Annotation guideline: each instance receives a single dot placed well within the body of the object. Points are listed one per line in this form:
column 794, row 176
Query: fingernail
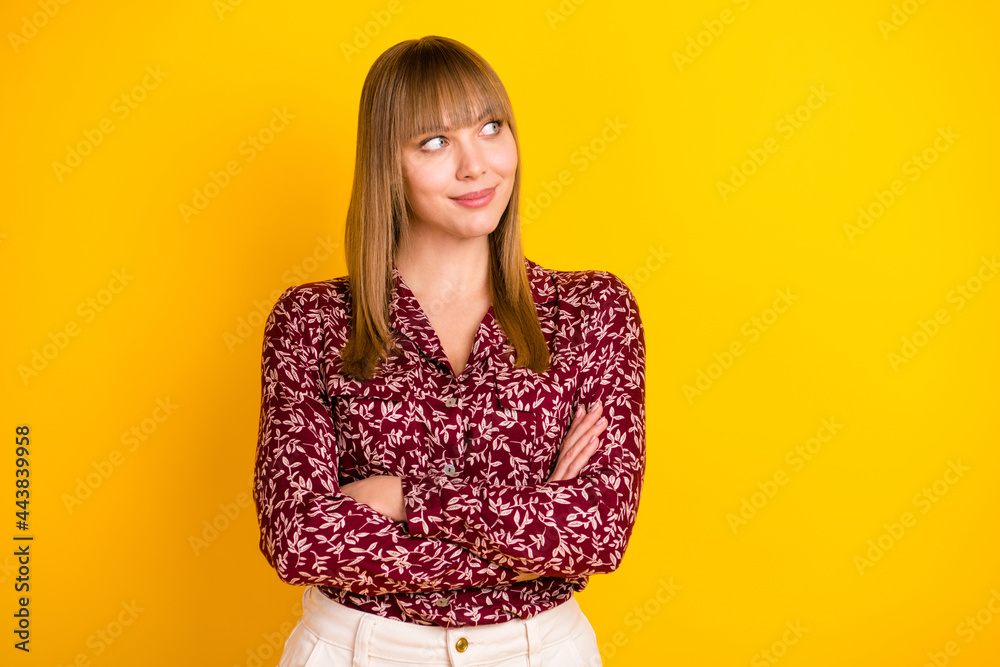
column 579, row 410
column 593, row 406
column 604, row 421
column 593, row 439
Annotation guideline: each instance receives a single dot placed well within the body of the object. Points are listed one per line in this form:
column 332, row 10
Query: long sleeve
column 310, row 532
column 572, row 527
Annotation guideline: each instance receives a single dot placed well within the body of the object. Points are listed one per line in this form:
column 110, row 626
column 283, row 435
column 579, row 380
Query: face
column 445, row 176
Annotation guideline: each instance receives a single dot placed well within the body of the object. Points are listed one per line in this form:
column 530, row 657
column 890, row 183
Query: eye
column 499, row 126
column 429, row 143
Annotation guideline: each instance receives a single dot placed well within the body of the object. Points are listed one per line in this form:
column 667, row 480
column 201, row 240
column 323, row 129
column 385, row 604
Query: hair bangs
column 447, row 90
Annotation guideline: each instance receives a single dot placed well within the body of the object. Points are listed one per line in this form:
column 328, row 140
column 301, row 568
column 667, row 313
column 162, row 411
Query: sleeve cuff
column 422, row 501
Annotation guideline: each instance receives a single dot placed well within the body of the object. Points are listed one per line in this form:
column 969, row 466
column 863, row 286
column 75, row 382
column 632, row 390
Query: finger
column 578, row 417
column 568, row 451
column 581, row 440
column 579, row 436
column 579, row 463
column 593, row 413
column 559, row 473
column 583, row 417
column 563, row 470
column 593, row 446
column 578, row 454
column 584, row 453
column 584, row 425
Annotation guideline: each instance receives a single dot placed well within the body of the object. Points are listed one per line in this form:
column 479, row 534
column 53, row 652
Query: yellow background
column 184, row 326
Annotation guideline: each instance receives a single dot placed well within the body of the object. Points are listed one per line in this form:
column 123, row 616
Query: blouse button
column 441, row 602
column 461, row 644
column 451, row 401
column 449, row 470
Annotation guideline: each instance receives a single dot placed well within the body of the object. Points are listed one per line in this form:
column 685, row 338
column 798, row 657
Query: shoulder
column 587, row 288
column 319, row 295
column 320, row 305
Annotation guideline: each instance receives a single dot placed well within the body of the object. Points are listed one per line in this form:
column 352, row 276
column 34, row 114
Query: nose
column 471, row 160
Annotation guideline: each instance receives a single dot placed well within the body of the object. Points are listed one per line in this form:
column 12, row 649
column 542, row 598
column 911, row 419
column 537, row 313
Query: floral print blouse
column 473, row 452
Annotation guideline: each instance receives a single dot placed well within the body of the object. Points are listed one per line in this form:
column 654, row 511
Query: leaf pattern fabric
column 473, row 452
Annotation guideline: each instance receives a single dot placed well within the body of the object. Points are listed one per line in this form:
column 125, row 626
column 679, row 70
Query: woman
column 426, row 465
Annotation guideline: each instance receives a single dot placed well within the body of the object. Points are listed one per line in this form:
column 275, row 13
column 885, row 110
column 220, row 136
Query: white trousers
column 330, row 634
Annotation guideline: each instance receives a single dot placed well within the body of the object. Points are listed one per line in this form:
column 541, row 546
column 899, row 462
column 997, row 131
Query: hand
column 580, row 443
column 383, row 493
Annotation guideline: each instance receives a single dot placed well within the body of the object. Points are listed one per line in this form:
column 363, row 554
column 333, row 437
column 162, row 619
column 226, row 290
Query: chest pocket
column 374, row 423
column 527, row 422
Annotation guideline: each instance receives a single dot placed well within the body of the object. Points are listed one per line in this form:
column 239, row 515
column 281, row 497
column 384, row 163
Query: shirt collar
column 407, row 317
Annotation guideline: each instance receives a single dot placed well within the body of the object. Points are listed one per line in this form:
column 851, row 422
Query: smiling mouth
column 478, row 199
column 479, row 194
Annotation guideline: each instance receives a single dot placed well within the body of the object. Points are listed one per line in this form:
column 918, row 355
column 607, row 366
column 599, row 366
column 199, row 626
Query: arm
column 566, row 528
column 311, row 533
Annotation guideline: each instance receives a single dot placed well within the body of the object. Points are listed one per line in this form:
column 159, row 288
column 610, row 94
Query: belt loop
column 534, row 643
column 361, row 641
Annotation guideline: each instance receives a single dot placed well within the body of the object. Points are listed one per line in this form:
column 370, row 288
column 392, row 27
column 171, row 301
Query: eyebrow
column 447, row 128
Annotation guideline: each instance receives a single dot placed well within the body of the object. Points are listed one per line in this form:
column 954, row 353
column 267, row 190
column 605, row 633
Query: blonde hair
column 409, row 90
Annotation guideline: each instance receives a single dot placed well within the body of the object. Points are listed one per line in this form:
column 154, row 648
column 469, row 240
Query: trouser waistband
column 389, row 638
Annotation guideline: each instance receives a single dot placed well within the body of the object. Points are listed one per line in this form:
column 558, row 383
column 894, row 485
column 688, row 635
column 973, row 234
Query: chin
column 484, row 229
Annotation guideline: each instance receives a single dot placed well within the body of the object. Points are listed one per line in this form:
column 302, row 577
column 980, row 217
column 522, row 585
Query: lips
column 478, row 194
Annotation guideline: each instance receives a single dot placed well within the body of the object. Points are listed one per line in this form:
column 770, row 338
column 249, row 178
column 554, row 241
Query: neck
column 459, row 269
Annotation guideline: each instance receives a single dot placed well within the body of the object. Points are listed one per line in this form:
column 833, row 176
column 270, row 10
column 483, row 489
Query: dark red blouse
column 473, row 452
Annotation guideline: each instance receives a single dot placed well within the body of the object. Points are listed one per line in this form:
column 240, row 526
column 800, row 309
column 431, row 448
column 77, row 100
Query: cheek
column 420, row 187
column 505, row 161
